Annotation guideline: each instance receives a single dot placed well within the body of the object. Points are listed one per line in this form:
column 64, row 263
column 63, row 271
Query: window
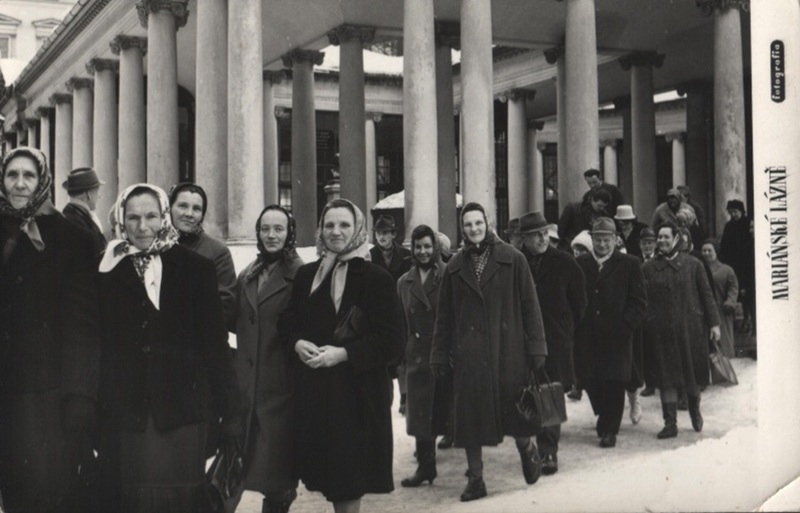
column 44, row 28
column 5, row 47
column 8, row 35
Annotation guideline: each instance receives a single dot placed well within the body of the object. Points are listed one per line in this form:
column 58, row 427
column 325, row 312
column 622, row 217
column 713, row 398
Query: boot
column 636, row 407
column 402, row 409
column 531, row 463
column 694, row 412
column 575, row 393
column 670, row 421
column 446, row 442
column 683, row 403
column 648, row 391
column 281, row 505
column 426, row 465
column 475, row 488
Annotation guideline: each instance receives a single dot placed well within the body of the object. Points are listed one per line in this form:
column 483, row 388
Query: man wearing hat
column 604, row 340
column 83, row 188
column 647, row 244
column 629, row 229
column 513, row 233
column 560, row 287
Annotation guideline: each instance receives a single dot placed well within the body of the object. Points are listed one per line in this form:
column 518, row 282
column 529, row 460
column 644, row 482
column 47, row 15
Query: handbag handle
column 536, row 381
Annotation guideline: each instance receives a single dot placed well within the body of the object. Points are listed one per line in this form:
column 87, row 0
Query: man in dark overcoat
column 604, row 343
column 83, row 188
column 489, row 320
column 560, row 286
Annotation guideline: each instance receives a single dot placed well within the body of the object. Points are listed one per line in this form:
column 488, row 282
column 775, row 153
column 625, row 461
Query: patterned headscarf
column 287, row 252
column 39, row 202
column 121, row 246
column 478, row 253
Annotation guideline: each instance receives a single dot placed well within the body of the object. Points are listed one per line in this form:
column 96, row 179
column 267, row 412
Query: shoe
column 575, row 394
column 474, row 490
column 282, row 506
column 446, row 442
column 426, row 469
column 683, row 404
column 549, row 464
column 402, row 409
column 636, row 407
column 608, row 440
column 694, row 413
column 531, row 463
column 670, row 411
column 647, row 392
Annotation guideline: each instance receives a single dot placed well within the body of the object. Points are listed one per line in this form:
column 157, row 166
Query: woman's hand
column 715, row 333
column 306, row 350
column 328, row 356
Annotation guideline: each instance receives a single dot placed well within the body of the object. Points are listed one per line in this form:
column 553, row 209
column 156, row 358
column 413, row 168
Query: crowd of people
column 118, row 381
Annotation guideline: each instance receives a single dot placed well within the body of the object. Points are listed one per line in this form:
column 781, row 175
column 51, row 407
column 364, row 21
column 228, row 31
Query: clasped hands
column 316, row 357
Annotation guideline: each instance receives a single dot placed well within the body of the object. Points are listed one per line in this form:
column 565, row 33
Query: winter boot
column 694, row 412
column 531, row 462
column 636, row 407
column 426, row 465
column 475, row 488
column 670, row 421
column 279, row 505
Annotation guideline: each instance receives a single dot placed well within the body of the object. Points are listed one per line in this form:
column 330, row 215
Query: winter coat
column 575, row 218
column 343, row 423
column 736, row 250
column 79, row 216
column 491, row 329
column 215, row 250
column 726, row 290
column 561, row 288
column 262, row 367
column 616, row 305
column 429, row 400
column 680, row 311
column 49, row 354
column 401, row 260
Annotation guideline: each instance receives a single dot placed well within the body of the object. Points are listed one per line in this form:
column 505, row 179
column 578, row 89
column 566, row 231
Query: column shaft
column 44, row 135
column 132, row 161
column 371, row 150
column 352, row 152
column 561, row 119
column 517, row 150
column 105, row 139
column 446, row 135
column 678, row 162
column 610, row 171
column 699, row 148
column 643, row 137
column 535, row 172
column 32, row 134
column 82, row 132
column 271, row 148
column 63, row 150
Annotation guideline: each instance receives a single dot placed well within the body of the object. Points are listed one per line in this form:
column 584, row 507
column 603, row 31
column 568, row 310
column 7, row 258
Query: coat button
column 146, row 349
column 144, row 325
column 416, row 334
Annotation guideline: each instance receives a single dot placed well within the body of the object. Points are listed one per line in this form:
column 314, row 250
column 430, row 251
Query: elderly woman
column 737, row 250
column 49, row 345
column 726, row 292
column 263, row 292
column 345, row 326
column 430, row 400
column 165, row 356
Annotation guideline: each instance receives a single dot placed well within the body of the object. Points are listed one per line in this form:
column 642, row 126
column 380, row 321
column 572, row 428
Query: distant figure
column 667, row 212
column 512, row 233
column 577, row 217
column 726, row 293
column 737, row 250
column 629, row 229
column 647, row 244
column 83, row 188
column 698, row 210
column 594, row 181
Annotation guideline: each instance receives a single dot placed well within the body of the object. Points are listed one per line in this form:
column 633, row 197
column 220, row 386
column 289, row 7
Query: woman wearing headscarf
column 49, row 344
column 737, row 250
column 262, row 363
column 165, row 357
column 489, row 325
column 726, row 291
column 344, row 323
column 430, row 400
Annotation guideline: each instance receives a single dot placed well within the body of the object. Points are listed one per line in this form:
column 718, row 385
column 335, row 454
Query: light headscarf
column 39, row 203
column 287, row 252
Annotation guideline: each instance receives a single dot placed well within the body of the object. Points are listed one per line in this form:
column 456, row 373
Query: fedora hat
column 647, row 234
column 385, row 224
column 604, row 225
column 624, row 213
column 82, row 179
column 513, row 226
column 532, row 222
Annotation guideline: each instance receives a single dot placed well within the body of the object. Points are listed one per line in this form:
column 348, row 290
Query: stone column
column 371, row 150
column 535, row 171
column 132, row 155
column 162, row 18
column 610, row 162
column 699, row 146
column 678, row 159
column 82, row 119
column 582, row 118
column 625, row 165
column 517, row 140
column 271, row 147
column 352, row 151
column 556, row 56
column 31, row 127
column 446, row 39
column 729, row 126
column 44, row 133
column 63, row 156
column 105, row 123
column 477, row 105
column 304, row 142
column 643, row 130
column 211, row 127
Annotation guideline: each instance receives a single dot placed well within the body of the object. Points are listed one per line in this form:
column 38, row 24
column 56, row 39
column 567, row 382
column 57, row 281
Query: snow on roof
column 398, row 200
column 373, row 62
column 11, row 68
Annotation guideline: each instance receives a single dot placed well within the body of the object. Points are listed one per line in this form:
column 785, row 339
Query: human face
column 673, row 203
column 142, row 220
column 598, row 205
column 385, row 238
column 515, row 240
column 735, row 213
column 603, row 243
column 665, row 240
column 338, row 228
column 474, row 226
column 273, row 230
column 20, row 180
column 536, row 242
column 187, row 211
column 593, row 181
column 423, row 250
column 648, row 246
column 578, row 250
column 709, row 253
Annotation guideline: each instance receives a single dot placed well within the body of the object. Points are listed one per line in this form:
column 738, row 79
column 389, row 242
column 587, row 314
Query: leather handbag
column 224, row 477
column 542, row 404
column 722, row 372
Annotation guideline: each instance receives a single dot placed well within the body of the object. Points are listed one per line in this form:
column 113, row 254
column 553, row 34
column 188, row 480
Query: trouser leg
column 548, row 438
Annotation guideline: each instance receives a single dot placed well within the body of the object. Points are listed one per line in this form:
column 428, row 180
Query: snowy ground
column 709, row 471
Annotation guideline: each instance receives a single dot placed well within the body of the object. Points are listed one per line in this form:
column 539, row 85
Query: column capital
column 375, row 117
column 273, row 77
column 123, row 42
column 42, row 112
column 95, row 65
column 299, row 55
column 178, row 8
column 707, row 7
column 535, row 125
column 282, row 112
column 347, row 32
column 447, row 33
column 517, row 94
column 59, row 98
column 641, row 59
column 76, row 83
column 675, row 136
column 608, row 142
column 552, row 55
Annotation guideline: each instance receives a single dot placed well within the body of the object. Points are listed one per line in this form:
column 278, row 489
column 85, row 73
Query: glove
column 728, row 309
column 535, row 362
column 78, row 413
column 439, row 370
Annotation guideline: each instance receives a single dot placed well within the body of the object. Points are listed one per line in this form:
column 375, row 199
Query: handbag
column 351, row 326
column 542, row 404
column 722, row 372
column 224, row 477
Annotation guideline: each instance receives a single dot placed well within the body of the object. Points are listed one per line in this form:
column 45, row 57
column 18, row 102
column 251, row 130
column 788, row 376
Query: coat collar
column 422, row 291
column 676, row 263
column 501, row 254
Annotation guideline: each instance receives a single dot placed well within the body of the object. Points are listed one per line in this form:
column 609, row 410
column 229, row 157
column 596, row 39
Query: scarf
column 436, row 255
column 39, row 203
column 287, row 252
column 330, row 261
column 601, row 260
column 677, row 244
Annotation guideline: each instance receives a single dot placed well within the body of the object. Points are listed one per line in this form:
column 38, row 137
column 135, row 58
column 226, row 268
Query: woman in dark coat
column 263, row 292
column 165, row 356
column 726, row 291
column 345, row 326
column 430, row 400
column 49, row 344
column 681, row 317
column 737, row 250
column 490, row 326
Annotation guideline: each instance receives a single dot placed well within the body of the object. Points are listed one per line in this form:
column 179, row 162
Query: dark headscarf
column 488, row 239
column 420, row 232
column 287, row 252
column 676, row 246
column 173, row 196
